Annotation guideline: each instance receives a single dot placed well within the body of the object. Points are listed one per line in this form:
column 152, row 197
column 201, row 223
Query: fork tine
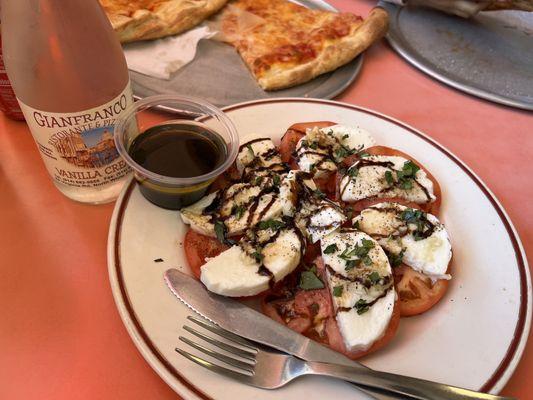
column 224, row 346
column 213, row 367
column 228, row 360
column 223, row 332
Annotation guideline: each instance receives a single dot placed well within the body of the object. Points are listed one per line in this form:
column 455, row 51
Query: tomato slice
column 432, row 208
column 311, row 313
column 288, row 144
column 299, row 309
column 198, row 247
column 416, row 291
column 312, row 251
column 293, row 135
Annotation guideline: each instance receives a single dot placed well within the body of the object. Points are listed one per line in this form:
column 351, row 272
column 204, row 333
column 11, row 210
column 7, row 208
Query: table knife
column 253, row 325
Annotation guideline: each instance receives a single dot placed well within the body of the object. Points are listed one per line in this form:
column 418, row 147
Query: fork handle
column 403, row 385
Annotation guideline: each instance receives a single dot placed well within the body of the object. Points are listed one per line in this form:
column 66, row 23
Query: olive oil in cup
column 177, row 146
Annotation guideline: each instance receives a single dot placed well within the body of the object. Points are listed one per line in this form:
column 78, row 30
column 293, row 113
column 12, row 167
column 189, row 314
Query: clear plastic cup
column 168, row 191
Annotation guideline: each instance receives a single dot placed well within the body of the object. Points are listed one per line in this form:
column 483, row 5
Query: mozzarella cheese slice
column 256, row 152
column 236, row 204
column 283, row 255
column 323, row 219
column 371, row 181
column 262, row 171
column 360, row 331
column 315, row 217
column 428, row 253
column 193, row 216
column 361, row 283
column 233, row 273
column 236, row 272
column 291, row 189
column 320, row 150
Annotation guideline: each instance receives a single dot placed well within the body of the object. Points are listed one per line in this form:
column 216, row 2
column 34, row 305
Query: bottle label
column 78, row 148
column 8, row 101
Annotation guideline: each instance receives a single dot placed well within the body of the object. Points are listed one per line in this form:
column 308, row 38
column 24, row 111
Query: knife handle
column 403, row 385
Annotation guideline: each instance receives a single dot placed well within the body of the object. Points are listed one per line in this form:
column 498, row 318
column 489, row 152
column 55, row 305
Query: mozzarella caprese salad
column 337, row 236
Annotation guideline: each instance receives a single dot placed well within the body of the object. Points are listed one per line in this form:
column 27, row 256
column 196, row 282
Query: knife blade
column 253, row 325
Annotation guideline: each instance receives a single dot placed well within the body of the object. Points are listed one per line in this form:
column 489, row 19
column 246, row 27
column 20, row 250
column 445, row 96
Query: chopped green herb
column 237, row 211
column 345, row 136
column 276, row 179
column 309, row 281
column 312, row 268
column 258, row 256
column 406, row 185
column 389, row 178
column 249, row 147
column 356, row 225
column 305, row 144
column 363, row 155
column 319, row 194
column 359, row 251
column 343, row 152
column 374, row 277
column 258, row 180
column 367, row 244
column 410, row 168
column 361, row 306
column 351, row 264
column 411, row 215
column 271, row 224
column 221, row 231
column 367, row 260
column 353, row 172
column 337, row 291
column 314, row 145
column 345, row 255
column 407, row 175
column 332, row 248
column 396, row 259
column 312, row 167
column 419, row 219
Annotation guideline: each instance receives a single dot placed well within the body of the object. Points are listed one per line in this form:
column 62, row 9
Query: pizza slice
column 285, row 44
column 150, row 19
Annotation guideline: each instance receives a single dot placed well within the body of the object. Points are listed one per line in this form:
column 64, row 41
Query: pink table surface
column 61, row 336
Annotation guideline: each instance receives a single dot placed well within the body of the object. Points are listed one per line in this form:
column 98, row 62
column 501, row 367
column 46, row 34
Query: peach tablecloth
column 60, row 335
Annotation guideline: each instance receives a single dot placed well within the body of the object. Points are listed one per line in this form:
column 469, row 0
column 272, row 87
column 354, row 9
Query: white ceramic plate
column 473, row 338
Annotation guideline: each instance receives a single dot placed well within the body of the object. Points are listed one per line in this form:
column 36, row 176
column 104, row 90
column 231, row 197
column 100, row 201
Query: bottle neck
column 64, row 57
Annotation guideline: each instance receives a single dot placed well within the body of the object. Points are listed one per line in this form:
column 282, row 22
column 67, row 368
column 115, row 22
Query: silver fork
column 257, row 365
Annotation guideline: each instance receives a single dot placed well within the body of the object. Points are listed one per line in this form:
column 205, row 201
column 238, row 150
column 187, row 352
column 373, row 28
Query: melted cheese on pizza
column 290, row 34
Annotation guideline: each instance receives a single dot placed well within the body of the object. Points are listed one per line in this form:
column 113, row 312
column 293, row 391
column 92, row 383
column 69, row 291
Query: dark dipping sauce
column 180, row 149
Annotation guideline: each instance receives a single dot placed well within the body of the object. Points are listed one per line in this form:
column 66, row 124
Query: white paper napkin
column 161, row 57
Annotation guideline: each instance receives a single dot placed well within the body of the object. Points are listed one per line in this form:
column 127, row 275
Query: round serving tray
column 217, row 74
column 489, row 55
